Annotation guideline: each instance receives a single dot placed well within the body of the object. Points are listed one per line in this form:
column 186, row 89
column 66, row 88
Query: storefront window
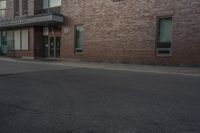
column 24, row 41
column 17, row 40
column 21, row 39
column 10, row 40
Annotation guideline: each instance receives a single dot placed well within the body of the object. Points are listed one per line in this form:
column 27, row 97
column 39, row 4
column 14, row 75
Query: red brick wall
column 125, row 31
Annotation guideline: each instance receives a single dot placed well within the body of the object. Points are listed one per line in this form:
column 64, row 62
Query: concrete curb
column 186, row 71
column 6, row 59
column 139, row 68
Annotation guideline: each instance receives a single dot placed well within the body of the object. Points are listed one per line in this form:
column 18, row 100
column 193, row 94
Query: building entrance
column 51, row 46
column 3, row 43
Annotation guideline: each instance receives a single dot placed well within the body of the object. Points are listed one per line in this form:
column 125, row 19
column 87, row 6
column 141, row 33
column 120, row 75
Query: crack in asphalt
column 52, row 112
column 102, row 114
column 33, row 110
column 5, row 75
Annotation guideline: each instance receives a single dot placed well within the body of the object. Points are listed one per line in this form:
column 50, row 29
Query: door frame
column 49, row 49
column 49, row 46
column 3, row 41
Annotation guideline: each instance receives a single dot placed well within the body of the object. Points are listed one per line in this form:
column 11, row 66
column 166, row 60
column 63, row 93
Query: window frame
column 157, row 49
column 21, row 40
column 75, row 40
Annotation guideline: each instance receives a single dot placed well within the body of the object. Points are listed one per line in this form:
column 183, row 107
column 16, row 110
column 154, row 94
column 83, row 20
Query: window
column 45, row 31
column 164, row 36
column 24, row 39
column 3, row 4
column 55, row 3
column 17, row 40
column 25, row 6
column 21, row 39
column 16, row 7
column 10, row 40
column 79, row 38
column 2, row 8
column 45, row 4
column 51, row 3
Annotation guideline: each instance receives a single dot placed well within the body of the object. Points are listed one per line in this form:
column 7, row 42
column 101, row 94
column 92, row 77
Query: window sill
column 79, row 53
column 164, row 55
column 163, row 52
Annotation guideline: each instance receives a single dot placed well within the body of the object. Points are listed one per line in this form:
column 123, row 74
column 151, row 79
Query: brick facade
column 125, row 31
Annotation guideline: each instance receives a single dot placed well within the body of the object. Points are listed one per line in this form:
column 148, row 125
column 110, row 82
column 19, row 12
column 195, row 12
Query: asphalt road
column 39, row 98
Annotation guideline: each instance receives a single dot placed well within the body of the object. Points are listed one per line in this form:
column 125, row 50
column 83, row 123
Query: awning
column 42, row 20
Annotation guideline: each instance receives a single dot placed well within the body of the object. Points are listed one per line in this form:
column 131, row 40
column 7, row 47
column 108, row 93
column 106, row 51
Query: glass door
column 57, row 46
column 0, row 45
column 3, row 43
column 45, row 46
column 52, row 46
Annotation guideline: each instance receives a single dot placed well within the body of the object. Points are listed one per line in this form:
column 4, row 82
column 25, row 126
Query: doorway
column 3, row 43
column 51, row 46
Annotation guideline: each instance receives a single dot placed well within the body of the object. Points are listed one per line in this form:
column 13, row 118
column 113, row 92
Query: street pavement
column 53, row 98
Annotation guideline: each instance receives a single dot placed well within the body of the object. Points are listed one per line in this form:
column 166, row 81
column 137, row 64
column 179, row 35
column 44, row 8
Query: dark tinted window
column 16, row 7
column 164, row 32
column 25, row 6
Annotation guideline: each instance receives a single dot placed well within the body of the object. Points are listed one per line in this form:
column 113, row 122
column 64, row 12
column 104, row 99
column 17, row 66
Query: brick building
column 135, row 31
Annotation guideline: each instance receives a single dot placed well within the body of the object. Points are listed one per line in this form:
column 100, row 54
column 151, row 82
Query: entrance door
column 51, row 46
column 3, row 44
column 0, row 44
column 45, row 46
column 57, row 46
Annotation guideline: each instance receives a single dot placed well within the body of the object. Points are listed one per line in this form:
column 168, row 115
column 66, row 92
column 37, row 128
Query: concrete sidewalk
column 190, row 71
